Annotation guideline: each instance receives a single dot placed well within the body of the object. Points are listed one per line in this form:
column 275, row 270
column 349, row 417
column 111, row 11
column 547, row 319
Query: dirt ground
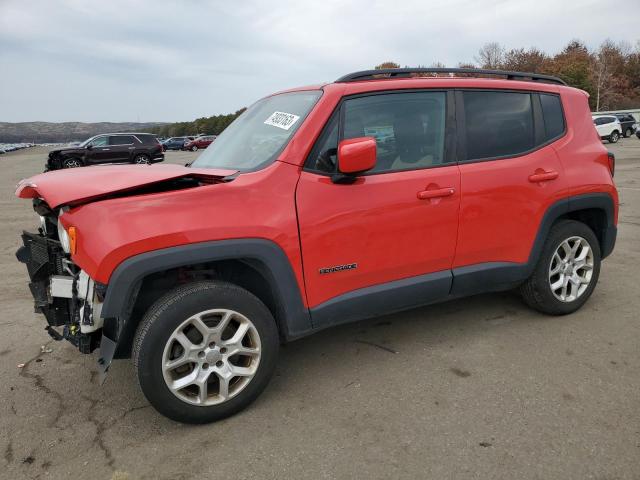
column 475, row 388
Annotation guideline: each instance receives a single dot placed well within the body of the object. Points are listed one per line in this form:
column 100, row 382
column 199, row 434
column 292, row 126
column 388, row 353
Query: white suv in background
column 608, row 127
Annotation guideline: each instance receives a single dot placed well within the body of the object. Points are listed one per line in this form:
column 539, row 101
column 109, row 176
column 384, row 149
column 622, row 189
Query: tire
column 537, row 291
column 614, row 137
column 72, row 163
column 142, row 159
column 156, row 340
column 194, row 148
column 628, row 132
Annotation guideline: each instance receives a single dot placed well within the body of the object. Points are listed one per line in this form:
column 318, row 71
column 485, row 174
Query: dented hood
column 76, row 186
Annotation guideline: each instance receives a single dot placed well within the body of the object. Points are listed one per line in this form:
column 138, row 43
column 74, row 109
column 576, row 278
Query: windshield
column 257, row 136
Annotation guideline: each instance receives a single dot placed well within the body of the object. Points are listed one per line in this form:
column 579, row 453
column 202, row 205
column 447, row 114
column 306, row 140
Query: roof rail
column 408, row 72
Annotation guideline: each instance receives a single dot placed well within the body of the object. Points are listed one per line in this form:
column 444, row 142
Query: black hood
column 65, row 151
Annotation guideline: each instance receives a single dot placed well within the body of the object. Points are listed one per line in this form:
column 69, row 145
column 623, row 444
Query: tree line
column 610, row 73
column 213, row 125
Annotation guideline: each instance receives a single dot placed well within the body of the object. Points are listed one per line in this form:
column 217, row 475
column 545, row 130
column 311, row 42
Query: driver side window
column 409, row 130
column 99, row 142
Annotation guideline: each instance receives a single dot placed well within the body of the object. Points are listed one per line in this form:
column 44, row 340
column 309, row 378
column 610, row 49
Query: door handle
column 437, row 193
column 106, row 149
column 542, row 176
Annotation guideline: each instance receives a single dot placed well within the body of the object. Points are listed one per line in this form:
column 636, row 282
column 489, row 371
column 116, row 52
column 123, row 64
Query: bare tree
column 490, row 56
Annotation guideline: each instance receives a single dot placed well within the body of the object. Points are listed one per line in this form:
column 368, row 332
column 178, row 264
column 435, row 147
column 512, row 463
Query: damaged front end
column 62, row 292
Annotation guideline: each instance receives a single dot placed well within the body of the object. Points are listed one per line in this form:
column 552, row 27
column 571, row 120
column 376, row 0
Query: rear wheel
column 72, row 163
column 205, row 351
column 194, row 148
column 142, row 159
column 614, row 137
column 628, row 132
column 567, row 271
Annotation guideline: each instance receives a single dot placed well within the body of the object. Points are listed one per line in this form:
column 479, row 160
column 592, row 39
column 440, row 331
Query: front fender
column 270, row 259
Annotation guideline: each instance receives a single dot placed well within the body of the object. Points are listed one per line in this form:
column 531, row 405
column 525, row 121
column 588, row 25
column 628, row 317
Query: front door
column 100, row 150
column 394, row 229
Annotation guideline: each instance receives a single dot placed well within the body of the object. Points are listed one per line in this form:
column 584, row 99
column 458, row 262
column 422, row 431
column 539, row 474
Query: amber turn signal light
column 73, row 236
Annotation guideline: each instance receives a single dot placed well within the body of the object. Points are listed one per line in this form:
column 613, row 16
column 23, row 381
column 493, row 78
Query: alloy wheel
column 73, row 163
column 571, row 269
column 211, row 357
column 141, row 160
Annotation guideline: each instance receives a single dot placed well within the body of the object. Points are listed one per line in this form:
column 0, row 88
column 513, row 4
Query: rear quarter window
column 552, row 115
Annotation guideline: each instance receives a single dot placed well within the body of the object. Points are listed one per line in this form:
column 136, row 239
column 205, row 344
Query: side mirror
column 355, row 156
column 89, row 147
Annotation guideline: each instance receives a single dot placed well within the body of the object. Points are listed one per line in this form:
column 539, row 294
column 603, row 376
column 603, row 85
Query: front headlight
column 63, row 236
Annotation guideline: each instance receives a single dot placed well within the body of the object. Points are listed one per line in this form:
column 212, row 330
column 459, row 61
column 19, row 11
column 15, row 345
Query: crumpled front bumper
column 62, row 292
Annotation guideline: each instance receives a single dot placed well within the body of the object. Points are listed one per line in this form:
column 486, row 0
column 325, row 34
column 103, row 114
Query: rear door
column 396, row 222
column 510, row 174
column 122, row 147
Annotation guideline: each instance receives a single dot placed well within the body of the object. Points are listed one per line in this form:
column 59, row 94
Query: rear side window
column 552, row 114
column 121, row 140
column 498, row 124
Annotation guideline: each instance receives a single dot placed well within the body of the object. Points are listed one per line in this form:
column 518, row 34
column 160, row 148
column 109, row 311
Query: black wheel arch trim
column 497, row 276
column 294, row 318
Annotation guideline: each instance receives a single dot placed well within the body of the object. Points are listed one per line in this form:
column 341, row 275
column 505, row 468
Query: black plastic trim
column 264, row 254
column 407, row 72
column 382, row 299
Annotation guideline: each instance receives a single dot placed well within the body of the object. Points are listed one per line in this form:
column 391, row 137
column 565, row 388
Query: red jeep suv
column 382, row 191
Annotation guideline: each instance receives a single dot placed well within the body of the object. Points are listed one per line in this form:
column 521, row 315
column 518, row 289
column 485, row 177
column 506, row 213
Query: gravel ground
column 478, row 388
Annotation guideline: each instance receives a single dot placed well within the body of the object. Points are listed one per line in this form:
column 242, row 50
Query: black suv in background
column 109, row 148
column 628, row 123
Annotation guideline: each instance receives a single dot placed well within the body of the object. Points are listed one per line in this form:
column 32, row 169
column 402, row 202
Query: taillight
column 612, row 163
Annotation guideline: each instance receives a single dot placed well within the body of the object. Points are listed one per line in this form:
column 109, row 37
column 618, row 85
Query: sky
column 160, row 60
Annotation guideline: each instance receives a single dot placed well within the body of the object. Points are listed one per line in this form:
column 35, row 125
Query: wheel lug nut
column 212, row 345
column 201, row 354
column 205, row 366
column 223, row 350
column 219, row 363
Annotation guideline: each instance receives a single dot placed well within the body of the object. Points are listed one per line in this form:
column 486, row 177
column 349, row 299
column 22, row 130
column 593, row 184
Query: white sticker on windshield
column 282, row 120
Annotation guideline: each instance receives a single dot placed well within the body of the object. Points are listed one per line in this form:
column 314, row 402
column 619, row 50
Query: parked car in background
column 294, row 220
column 628, row 123
column 608, row 127
column 108, row 148
column 175, row 143
column 199, row 143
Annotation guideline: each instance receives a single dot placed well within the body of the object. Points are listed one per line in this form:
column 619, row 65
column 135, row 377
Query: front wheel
column 628, row 132
column 205, row 351
column 71, row 163
column 142, row 159
column 614, row 137
column 194, row 148
column 567, row 271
